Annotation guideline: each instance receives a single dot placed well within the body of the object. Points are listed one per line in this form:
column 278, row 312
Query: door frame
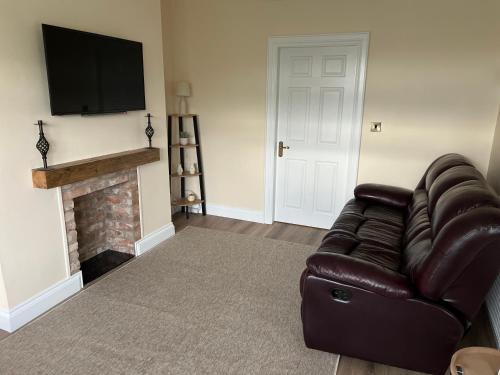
column 274, row 45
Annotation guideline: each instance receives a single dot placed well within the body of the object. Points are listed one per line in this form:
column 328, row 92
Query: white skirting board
column 154, row 238
column 493, row 303
column 232, row 213
column 235, row 213
column 15, row 318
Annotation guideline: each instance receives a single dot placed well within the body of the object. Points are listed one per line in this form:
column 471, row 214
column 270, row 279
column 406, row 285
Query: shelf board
column 79, row 170
column 185, row 174
column 185, row 202
column 187, row 115
column 177, row 145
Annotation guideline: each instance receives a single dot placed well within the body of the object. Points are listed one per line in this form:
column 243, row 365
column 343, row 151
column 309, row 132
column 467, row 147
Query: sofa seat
column 367, row 231
column 375, row 211
column 401, row 274
column 364, row 243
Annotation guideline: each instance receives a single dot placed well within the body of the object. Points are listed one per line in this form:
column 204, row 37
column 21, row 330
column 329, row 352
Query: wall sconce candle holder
column 42, row 145
column 149, row 130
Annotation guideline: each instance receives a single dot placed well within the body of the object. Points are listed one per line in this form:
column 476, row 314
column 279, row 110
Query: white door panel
column 316, row 104
column 330, row 114
column 294, row 193
column 325, row 176
column 298, row 113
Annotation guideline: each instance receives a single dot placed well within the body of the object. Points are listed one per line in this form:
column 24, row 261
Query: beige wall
column 494, row 167
column 433, row 80
column 31, row 248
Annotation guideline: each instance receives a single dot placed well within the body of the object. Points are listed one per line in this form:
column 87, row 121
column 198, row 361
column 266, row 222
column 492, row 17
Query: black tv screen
column 90, row 73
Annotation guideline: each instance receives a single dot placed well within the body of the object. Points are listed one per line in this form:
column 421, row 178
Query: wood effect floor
column 479, row 335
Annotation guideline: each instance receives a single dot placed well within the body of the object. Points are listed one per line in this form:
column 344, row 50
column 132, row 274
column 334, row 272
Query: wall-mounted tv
column 91, row 73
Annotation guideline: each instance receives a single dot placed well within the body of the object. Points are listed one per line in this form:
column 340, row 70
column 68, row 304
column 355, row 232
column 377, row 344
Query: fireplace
column 102, row 222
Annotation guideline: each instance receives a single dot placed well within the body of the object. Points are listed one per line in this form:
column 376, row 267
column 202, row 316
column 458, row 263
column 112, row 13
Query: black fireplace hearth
column 101, row 263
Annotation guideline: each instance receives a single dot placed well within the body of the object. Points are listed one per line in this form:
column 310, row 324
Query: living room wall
column 432, row 80
column 32, row 250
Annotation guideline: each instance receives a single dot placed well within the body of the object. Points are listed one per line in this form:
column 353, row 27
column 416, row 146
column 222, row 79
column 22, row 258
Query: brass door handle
column 280, row 148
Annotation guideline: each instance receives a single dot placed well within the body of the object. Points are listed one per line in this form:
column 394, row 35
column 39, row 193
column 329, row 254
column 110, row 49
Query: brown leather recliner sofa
column 401, row 274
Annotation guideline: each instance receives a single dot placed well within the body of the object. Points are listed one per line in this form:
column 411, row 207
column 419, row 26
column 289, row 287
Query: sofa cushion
column 369, row 232
column 463, row 197
column 441, row 165
column 417, row 219
column 345, row 243
column 449, row 179
column 464, row 261
column 378, row 212
column 417, row 237
column 361, row 273
column 415, row 253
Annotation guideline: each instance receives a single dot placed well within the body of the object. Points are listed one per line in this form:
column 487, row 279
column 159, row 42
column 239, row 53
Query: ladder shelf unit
column 174, row 176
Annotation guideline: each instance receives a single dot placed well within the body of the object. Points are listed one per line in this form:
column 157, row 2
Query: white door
column 316, row 107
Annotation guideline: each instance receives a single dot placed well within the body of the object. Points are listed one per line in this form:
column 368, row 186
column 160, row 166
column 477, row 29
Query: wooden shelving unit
column 182, row 146
column 182, row 201
column 187, row 115
column 185, row 174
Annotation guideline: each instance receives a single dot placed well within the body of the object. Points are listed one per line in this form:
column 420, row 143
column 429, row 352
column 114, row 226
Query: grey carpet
column 203, row 302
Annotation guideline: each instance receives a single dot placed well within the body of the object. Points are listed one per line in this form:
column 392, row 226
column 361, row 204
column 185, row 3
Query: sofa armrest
column 360, row 273
column 384, row 194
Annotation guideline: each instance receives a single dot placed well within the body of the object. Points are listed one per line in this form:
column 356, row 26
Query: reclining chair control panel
column 341, row 295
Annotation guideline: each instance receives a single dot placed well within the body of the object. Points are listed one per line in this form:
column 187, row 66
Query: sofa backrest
column 452, row 241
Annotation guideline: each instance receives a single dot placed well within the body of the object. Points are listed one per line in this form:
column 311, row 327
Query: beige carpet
column 203, row 302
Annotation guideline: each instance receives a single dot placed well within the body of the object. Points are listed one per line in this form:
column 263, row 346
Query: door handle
column 280, row 148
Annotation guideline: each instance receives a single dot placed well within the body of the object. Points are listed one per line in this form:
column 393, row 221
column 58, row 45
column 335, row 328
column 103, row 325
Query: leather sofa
column 402, row 273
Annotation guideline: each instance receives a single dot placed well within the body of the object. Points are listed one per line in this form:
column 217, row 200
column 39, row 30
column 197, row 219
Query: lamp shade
column 182, row 88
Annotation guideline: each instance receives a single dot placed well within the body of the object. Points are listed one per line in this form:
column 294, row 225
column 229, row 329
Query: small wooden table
column 475, row 361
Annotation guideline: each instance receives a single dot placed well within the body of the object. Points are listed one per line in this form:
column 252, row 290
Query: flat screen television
column 91, row 73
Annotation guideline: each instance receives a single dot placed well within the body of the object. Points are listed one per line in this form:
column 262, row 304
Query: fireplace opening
column 102, row 223
column 102, row 263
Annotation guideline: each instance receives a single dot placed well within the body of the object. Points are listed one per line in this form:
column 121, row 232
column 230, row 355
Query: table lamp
column 182, row 91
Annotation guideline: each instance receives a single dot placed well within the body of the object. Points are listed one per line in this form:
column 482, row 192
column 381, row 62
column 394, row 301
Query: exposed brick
column 113, row 199
column 73, row 257
column 68, row 205
column 73, row 248
column 74, row 267
column 71, row 225
column 69, row 216
column 101, row 213
column 72, row 236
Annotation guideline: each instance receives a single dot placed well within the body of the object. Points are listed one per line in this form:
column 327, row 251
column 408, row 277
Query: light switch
column 376, row 127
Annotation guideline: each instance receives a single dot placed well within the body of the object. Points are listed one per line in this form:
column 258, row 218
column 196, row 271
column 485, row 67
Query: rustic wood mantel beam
column 79, row 170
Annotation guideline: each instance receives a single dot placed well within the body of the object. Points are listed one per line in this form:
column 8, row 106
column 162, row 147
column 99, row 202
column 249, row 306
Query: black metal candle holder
column 42, row 145
column 149, row 130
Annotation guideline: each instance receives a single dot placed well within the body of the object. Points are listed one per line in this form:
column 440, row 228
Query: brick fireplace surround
column 101, row 213
column 99, row 207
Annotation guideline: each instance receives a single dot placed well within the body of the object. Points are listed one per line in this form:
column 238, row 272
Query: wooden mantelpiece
column 68, row 173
